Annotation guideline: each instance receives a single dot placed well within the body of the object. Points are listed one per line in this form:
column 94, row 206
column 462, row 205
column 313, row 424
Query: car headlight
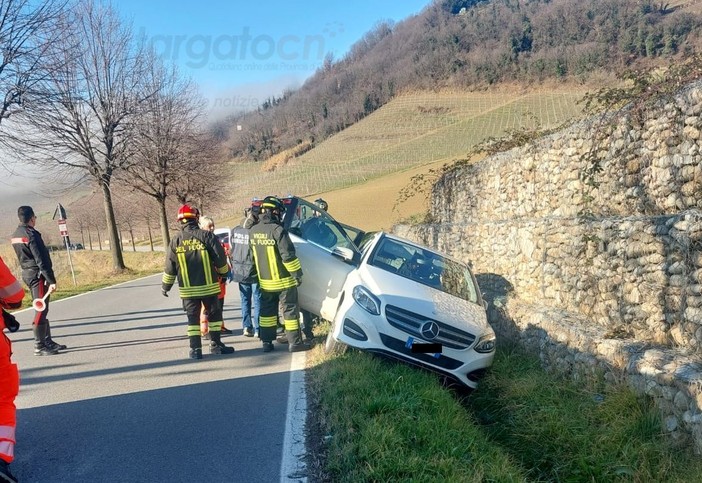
column 366, row 300
column 485, row 344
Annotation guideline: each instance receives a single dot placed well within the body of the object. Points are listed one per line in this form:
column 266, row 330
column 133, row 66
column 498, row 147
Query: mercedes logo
column 430, row 330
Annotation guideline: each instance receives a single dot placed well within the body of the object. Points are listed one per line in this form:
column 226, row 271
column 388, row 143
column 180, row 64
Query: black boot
column 295, row 342
column 5, row 473
column 40, row 347
column 195, row 347
column 49, row 342
column 216, row 345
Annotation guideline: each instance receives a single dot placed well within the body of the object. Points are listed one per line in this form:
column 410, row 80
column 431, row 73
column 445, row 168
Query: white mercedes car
column 389, row 295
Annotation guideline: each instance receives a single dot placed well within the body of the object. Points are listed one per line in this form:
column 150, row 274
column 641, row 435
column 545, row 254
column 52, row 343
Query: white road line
column 292, row 467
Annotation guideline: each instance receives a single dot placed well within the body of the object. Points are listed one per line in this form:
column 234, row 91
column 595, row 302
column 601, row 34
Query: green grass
column 378, row 420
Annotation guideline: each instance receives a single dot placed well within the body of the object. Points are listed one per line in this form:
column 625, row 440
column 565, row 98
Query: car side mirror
column 346, row 254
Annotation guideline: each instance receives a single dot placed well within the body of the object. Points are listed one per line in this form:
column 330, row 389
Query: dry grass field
column 361, row 170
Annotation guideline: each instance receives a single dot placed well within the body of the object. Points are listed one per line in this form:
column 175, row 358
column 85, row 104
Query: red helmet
column 187, row 212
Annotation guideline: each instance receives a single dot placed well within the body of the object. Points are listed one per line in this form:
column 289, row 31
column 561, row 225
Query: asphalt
column 124, row 403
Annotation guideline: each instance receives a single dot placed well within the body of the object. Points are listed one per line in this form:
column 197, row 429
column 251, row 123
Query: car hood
column 421, row 299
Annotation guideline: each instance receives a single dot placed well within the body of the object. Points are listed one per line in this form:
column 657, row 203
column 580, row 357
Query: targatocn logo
column 245, row 50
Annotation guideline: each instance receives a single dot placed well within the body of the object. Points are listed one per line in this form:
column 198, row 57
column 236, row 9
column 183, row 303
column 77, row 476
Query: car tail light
column 366, row 300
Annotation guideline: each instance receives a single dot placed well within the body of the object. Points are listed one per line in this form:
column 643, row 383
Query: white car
column 389, row 295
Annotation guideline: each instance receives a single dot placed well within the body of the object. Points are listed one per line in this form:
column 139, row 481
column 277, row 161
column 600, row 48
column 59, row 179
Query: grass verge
column 92, row 269
column 378, row 420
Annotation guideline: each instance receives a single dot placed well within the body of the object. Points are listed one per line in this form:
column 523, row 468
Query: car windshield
column 223, row 237
column 316, row 226
column 425, row 267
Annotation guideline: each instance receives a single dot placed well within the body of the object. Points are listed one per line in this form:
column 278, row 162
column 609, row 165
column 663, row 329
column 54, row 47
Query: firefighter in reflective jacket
column 196, row 258
column 279, row 274
column 11, row 295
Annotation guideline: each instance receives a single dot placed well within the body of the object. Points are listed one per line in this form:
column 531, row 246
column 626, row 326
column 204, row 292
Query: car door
column 317, row 238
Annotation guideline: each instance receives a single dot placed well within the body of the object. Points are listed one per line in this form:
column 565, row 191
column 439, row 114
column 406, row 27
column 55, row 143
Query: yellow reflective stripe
column 272, row 263
column 199, row 291
column 168, row 279
column 216, row 326
column 183, row 264
column 223, row 269
column 268, row 321
column 293, row 265
column 206, row 266
column 293, row 324
column 277, row 285
column 193, row 330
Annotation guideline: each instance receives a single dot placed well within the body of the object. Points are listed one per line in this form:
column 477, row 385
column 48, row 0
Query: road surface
column 125, row 403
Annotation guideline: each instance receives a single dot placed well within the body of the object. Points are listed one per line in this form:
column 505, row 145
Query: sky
column 242, row 52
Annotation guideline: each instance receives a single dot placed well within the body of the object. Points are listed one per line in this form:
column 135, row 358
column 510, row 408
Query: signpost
column 63, row 230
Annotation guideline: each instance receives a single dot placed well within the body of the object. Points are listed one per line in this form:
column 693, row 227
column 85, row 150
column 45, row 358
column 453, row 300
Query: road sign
column 63, row 229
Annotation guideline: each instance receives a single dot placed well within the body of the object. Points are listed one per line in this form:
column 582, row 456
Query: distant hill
column 469, row 45
column 410, row 131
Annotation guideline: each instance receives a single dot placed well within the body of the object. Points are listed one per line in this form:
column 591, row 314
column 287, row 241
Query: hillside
column 470, row 45
column 410, row 134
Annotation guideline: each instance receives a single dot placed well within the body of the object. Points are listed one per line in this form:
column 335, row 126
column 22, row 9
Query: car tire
column 333, row 346
column 306, row 323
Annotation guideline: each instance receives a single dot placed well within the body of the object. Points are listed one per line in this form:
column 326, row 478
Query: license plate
column 424, row 347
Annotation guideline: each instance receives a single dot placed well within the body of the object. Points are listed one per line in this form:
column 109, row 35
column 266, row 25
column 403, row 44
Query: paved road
column 125, row 404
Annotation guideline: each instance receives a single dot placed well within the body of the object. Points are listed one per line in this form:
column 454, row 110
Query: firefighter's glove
column 164, row 292
column 299, row 281
column 10, row 321
column 230, row 277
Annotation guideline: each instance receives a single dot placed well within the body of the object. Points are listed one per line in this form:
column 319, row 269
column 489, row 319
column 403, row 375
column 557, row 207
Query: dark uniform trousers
column 213, row 308
column 38, row 287
column 268, row 316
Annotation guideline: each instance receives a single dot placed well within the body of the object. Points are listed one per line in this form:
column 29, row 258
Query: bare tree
column 26, row 29
column 166, row 131
column 200, row 177
column 94, row 93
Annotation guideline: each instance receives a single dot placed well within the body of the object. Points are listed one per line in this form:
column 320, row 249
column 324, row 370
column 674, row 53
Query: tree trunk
column 164, row 224
column 99, row 239
column 115, row 246
column 151, row 238
column 90, row 241
column 131, row 234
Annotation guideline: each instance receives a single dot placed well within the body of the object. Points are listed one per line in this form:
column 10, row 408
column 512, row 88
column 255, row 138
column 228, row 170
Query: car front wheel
column 333, row 346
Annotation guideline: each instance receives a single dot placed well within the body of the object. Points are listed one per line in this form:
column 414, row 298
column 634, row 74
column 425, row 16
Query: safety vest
column 274, row 253
column 196, row 258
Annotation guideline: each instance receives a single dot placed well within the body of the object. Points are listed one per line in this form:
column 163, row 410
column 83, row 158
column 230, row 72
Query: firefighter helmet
column 187, row 212
column 323, row 205
column 273, row 204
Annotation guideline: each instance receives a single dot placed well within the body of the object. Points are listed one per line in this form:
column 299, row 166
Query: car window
column 316, row 226
column 425, row 267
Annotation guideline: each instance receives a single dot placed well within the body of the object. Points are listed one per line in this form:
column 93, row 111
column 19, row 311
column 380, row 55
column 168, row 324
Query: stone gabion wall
column 630, row 272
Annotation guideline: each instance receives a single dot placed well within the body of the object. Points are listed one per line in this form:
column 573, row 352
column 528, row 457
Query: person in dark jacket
column 196, row 258
column 38, row 275
column 244, row 272
column 279, row 274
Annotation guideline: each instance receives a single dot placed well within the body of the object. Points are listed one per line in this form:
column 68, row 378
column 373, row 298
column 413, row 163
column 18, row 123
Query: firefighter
column 279, row 274
column 11, row 295
column 196, row 258
column 38, row 275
